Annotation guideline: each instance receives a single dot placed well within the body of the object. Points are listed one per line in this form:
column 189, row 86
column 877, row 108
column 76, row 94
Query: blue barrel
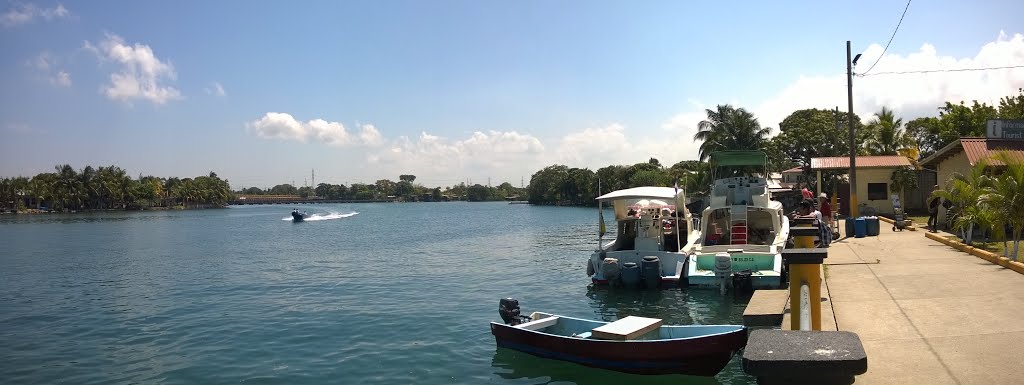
column 849, row 227
column 651, row 270
column 630, row 274
column 874, row 228
column 860, row 227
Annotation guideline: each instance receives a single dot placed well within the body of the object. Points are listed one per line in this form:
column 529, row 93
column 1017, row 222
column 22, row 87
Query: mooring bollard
column 804, row 269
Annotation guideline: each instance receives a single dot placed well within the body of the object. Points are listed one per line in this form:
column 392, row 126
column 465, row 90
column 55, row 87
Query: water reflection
column 514, row 365
column 90, row 217
column 676, row 306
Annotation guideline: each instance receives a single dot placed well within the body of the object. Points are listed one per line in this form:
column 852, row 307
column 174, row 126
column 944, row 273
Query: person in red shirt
column 807, row 193
column 825, row 208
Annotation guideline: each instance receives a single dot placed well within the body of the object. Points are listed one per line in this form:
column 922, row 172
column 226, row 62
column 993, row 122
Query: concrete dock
column 926, row 313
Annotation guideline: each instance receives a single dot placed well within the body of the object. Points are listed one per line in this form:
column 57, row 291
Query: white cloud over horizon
column 26, row 13
column 142, row 75
column 909, row 95
column 508, row 155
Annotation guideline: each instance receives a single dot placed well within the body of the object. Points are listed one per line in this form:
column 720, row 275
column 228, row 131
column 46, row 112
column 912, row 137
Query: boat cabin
column 649, row 218
column 740, row 211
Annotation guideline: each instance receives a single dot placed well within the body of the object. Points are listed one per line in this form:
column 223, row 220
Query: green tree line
column 110, row 187
column 406, row 189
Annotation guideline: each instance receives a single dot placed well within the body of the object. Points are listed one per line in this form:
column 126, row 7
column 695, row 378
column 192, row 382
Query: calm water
column 396, row 294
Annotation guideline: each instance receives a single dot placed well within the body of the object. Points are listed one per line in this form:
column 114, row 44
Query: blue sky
column 453, row 91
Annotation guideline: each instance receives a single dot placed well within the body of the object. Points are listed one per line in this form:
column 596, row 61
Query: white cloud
column 370, row 136
column 909, row 95
column 495, row 153
column 26, row 13
column 280, row 125
column 41, row 62
column 142, row 74
column 215, row 89
column 46, row 64
column 62, row 79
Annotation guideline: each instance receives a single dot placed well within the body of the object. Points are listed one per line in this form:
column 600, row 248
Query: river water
column 393, row 293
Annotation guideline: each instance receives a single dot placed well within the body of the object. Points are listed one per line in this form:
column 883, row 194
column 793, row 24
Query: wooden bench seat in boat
column 538, row 324
column 626, row 329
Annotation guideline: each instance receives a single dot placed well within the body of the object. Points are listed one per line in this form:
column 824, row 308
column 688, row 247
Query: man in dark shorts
column 933, row 210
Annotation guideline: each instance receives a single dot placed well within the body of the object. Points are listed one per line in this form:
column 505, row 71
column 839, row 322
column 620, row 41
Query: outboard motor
column 723, row 269
column 610, row 271
column 742, row 283
column 508, row 308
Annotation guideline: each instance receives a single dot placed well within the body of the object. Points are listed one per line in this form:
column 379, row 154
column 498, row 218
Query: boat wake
column 324, row 217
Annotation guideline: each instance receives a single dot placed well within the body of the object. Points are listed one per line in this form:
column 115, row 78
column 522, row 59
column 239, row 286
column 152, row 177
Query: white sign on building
column 1004, row 129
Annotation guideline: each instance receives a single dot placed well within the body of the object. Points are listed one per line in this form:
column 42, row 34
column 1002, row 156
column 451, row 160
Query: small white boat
column 650, row 225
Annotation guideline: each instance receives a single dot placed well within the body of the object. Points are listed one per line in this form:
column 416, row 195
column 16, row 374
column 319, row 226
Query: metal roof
column 843, row 162
column 794, row 169
column 640, row 193
column 978, row 149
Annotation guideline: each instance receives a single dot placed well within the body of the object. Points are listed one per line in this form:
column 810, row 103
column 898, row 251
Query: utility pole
column 853, row 142
column 313, row 183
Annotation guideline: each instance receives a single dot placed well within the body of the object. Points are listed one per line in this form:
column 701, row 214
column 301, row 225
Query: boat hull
column 670, row 265
column 298, row 217
column 700, row 356
column 765, row 270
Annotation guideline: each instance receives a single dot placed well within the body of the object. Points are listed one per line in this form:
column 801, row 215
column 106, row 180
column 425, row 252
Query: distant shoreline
column 154, row 208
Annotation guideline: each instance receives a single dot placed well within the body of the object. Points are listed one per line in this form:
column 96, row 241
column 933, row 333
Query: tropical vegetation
column 989, row 198
column 110, row 187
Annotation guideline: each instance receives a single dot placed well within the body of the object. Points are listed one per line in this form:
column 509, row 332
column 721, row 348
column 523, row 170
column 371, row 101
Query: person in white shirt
column 808, row 211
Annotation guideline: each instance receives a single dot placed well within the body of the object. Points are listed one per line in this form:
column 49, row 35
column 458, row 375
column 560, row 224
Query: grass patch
column 995, row 247
column 921, row 221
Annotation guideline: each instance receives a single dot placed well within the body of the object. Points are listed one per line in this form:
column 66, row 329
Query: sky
column 267, row 92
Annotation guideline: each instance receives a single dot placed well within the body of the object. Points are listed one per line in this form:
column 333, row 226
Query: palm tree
column 1005, row 198
column 729, row 128
column 964, row 191
column 884, row 134
column 68, row 188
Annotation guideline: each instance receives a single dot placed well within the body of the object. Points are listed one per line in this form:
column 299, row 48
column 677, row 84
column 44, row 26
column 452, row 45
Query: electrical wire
column 942, row 70
column 890, row 39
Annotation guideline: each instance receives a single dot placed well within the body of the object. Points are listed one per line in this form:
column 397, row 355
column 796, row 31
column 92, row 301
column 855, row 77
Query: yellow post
column 805, row 267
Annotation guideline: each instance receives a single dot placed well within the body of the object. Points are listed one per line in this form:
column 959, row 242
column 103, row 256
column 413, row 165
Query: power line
column 941, row 70
column 890, row 38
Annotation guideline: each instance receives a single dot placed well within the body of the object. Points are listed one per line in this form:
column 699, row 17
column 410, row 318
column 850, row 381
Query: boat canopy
column 739, row 158
column 640, row 193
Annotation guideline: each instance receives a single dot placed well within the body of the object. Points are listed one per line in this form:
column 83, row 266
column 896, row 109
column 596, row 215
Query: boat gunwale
column 738, row 328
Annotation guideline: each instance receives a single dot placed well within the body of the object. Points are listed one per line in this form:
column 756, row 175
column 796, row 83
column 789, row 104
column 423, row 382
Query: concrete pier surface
column 925, row 312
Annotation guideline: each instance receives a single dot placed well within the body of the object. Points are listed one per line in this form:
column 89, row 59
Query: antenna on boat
column 600, row 218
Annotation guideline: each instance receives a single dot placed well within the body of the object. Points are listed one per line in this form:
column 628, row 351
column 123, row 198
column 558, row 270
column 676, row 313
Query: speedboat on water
column 631, row 344
column 742, row 231
column 651, row 223
column 299, row 216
